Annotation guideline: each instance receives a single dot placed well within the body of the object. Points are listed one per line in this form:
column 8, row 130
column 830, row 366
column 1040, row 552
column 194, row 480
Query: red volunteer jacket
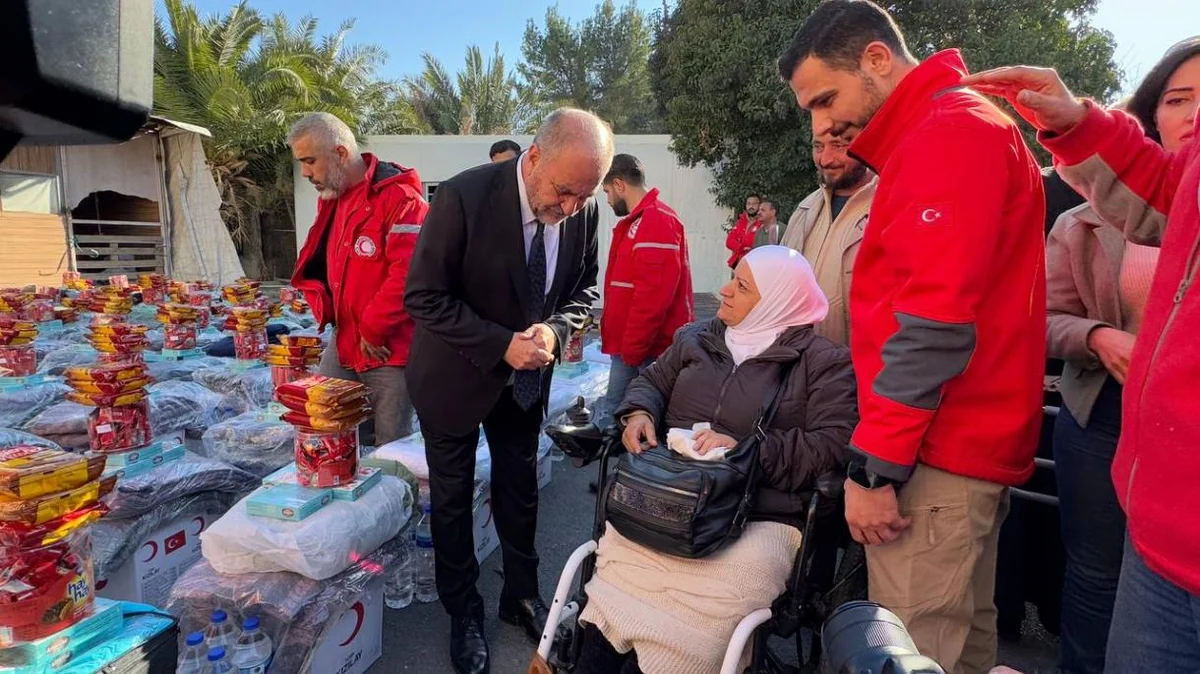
column 740, row 239
column 1155, row 198
column 948, row 304
column 356, row 282
column 648, row 283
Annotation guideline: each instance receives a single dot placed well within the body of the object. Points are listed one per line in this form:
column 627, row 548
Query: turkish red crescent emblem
column 153, row 550
column 364, row 246
column 359, row 615
column 200, row 521
column 174, row 542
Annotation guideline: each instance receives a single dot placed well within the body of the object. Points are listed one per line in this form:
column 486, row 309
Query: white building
column 438, row 158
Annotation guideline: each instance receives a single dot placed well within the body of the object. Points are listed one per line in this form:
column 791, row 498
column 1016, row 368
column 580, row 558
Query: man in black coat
column 504, row 269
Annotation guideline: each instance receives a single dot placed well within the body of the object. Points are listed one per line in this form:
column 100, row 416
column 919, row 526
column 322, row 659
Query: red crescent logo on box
column 200, row 521
column 359, row 614
column 364, row 246
column 153, row 550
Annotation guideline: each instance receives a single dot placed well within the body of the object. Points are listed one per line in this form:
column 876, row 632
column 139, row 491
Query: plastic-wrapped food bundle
column 254, row 386
column 61, row 419
column 20, row 406
column 256, row 442
column 410, row 452
column 182, row 370
column 319, row 547
column 190, row 475
column 178, row 405
column 11, row 437
column 115, row 540
column 293, row 610
column 56, row 362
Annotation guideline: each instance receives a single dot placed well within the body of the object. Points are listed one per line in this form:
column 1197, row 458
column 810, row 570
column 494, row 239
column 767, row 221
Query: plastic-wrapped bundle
column 190, row 475
column 56, row 362
column 60, row 419
column 156, row 337
column 10, row 437
column 256, row 442
column 319, row 547
column 293, row 610
column 178, row 405
column 410, row 452
column 115, row 540
column 182, row 370
column 18, row 407
column 591, row 384
column 253, row 386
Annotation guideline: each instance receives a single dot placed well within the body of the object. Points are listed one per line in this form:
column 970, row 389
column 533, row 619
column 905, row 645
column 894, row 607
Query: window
column 28, row 193
column 430, row 188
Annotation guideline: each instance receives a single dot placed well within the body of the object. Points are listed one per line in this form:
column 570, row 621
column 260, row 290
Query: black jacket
column 695, row 381
column 467, row 291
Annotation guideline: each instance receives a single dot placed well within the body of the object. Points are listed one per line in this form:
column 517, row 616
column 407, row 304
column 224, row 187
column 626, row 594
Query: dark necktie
column 527, row 387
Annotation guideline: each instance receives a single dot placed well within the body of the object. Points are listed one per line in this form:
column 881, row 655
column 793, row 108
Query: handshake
column 532, row 349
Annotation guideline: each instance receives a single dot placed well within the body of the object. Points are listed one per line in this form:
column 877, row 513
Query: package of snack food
column 250, row 345
column 322, row 390
column 326, row 459
column 44, row 589
column 18, row 361
column 108, row 399
column 27, row 471
column 109, row 388
column 285, row 374
column 309, row 341
column 118, row 358
column 55, row 530
column 116, row 429
column 106, row 373
column 38, row 310
column 102, row 327
column 179, row 337
column 327, row 424
column 42, row 509
column 287, row 294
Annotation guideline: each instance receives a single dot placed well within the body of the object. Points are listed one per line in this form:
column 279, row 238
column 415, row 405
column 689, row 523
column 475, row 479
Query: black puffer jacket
column 695, row 381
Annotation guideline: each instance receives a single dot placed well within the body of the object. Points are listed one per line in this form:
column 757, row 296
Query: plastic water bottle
column 398, row 588
column 194, row 659
column 253, row 650
column 217, row 662
column 220, row 631
column 426, row 581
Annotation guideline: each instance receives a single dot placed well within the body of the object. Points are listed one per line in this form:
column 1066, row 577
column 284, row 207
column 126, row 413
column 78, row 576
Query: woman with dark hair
column 1097, row 287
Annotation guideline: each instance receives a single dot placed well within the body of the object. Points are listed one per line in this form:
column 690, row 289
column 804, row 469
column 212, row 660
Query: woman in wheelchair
column 652, row 612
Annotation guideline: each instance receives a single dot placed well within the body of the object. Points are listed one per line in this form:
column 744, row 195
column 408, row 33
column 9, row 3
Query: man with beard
column 770, row 232
column 648, row 282
column 353, row 265
column 827, row 227
column 740, row 239
column 948, row 320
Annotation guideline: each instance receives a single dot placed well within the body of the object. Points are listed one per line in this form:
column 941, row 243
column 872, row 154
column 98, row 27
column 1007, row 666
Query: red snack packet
column 327, row 424
column 18, row 361
column 281, row 375
column 107, row 399
column 179, row 337
column 322, row 390
column 39, row 310
column 250, row 345
column 112, row 372
column 43, row 589
column 310, row 341
column 116, row 429
column 326, row 459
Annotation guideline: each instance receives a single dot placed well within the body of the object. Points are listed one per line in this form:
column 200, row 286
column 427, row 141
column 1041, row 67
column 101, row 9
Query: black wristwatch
column 858, row 473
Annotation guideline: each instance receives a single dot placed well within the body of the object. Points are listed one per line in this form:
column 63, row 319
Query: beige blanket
column 679, row 614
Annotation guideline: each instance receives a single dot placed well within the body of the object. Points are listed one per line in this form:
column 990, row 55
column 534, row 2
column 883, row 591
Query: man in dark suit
column 504, row 269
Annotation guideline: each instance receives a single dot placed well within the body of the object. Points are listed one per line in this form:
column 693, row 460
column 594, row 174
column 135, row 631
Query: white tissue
column 680, row 441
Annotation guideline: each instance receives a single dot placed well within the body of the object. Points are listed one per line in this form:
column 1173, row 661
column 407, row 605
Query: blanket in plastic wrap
column 19, row 406
column 56, row 362
column 174, row 406
column 410, row 452
column 192, row 474
column 253, row 388
column 182, row 370
column 257, row 442
column 319, row 547
column 115, row 540
column 10, row 437
column 591, row 384
column 293, row 610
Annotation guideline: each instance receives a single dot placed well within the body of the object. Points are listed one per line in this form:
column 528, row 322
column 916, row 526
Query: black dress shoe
column 529, row 614
column 468, row 646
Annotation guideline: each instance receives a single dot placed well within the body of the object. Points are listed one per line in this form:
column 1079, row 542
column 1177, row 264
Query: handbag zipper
column 690, row 495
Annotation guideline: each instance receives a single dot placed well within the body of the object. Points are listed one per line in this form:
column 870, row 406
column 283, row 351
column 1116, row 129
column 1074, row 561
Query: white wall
column 437, row 158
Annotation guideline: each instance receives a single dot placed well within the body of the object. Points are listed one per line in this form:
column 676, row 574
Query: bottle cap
column 250, row 623
column 218, row 616
column 195, row 639
column 217, row 653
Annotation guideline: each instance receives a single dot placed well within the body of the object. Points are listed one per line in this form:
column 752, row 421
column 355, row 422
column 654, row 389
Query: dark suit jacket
column 467, row 292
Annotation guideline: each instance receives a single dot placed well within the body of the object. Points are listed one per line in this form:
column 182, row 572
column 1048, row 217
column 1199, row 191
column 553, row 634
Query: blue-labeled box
column 169, row 455
column 55, row 652
column 287, row 501
column 351, row 491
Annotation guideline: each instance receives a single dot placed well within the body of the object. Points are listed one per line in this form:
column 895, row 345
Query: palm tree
column 480, row 99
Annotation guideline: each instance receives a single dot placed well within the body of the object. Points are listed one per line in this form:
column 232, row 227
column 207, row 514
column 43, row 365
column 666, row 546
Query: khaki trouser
column 940, row 575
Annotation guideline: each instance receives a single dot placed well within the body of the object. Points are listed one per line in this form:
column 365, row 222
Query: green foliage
column 600, row 65
column 482, row 99
column 713, row 70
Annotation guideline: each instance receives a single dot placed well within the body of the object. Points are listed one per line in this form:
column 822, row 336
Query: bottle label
column 260, row 668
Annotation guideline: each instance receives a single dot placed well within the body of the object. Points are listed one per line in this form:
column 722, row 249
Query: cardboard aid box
column 353, row 640
column 486, row 539
column 147, row 576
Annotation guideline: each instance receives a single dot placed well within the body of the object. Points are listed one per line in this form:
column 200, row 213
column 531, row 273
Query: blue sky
column 406, row 28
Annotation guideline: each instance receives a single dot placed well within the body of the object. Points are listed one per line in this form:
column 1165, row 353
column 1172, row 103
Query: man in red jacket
column 1134, row 184
column 947, row 315
column 740, row 239
column 353, row 265
column 648, row 282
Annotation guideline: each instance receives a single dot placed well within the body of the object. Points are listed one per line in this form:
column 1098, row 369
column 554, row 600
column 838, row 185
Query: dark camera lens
column 864, row 637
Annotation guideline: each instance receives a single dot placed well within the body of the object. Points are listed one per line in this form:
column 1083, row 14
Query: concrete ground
column 416, row 639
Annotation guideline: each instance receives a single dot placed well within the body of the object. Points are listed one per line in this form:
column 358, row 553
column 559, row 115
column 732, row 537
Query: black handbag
column 688, row 508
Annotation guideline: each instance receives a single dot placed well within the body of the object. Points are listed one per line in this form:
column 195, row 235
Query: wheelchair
column 829, row 570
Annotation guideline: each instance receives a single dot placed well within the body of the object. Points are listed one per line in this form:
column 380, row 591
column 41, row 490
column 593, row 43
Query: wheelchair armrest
column 831, row 485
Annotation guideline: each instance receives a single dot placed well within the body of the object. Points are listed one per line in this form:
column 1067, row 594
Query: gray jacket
column 695, row 381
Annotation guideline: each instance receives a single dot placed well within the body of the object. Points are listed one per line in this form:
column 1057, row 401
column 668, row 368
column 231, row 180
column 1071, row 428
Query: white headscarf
column 790, row 297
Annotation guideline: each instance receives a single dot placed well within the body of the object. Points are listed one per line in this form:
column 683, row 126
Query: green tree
column 717, row 85
column 247, row 79
column 481, row 99
column 600, row 65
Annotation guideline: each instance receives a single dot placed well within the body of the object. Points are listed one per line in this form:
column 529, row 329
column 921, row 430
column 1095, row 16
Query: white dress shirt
column 529, row 223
